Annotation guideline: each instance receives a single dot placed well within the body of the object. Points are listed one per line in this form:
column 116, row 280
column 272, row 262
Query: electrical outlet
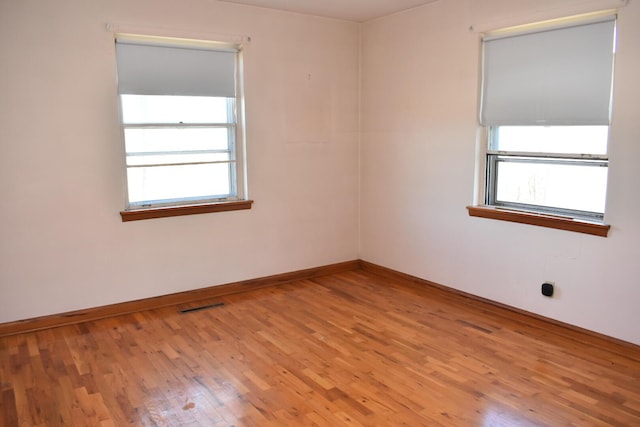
column 547, row 289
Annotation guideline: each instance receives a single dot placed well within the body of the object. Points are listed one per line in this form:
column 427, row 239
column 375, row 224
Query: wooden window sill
column 164, row 212
column 541, row 220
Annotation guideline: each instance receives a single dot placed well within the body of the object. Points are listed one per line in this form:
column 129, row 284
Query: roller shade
column 151, row 69
column 559, row 76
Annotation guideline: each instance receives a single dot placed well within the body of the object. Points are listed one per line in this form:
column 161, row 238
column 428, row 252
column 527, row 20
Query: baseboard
column 95, row 313
column 566, row 330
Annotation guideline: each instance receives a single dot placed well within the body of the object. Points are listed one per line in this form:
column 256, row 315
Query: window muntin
column 180, row 129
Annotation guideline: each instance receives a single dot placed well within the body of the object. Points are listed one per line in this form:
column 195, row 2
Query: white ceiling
column 352, row 10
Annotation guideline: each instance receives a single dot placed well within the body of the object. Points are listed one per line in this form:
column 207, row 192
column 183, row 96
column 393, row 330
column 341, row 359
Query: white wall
column 419, row 109
column 62, row 243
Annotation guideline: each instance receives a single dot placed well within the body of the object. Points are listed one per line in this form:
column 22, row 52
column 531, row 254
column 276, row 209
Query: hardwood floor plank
column 9, row 412
column 349, row 349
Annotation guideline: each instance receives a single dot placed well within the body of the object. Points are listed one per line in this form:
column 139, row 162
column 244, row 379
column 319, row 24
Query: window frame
column 236, row 146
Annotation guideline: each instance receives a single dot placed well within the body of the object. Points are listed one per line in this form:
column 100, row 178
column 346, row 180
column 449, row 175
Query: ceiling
column 352, row 10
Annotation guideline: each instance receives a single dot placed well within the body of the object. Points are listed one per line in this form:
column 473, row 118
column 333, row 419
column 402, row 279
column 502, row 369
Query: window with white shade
column 180, row 120
column 545, row 108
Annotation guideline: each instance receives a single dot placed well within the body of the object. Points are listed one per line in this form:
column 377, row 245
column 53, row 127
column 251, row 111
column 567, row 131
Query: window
column 181, row 122
column 545, row 108
column 552, row 169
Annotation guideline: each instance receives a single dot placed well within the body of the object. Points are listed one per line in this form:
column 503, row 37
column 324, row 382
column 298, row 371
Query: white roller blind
column 150, row 69
column 560, row 76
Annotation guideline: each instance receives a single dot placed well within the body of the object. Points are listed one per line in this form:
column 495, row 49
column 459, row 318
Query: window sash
column 232, row 194
column 492, row 181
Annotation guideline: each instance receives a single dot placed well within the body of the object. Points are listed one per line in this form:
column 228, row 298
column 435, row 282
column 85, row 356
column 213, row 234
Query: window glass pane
column 179, row 182
column 565, row 186
column 550, row 139
column 175, row 139
column 140, row 109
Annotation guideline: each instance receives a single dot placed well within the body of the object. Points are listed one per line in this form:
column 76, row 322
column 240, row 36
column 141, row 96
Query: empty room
column 319, row 213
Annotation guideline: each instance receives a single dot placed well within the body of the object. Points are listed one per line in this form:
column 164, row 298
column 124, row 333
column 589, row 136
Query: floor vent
column 202, row 307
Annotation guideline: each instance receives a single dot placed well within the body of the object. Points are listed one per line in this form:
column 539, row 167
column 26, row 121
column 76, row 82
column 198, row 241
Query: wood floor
column 348, row 349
